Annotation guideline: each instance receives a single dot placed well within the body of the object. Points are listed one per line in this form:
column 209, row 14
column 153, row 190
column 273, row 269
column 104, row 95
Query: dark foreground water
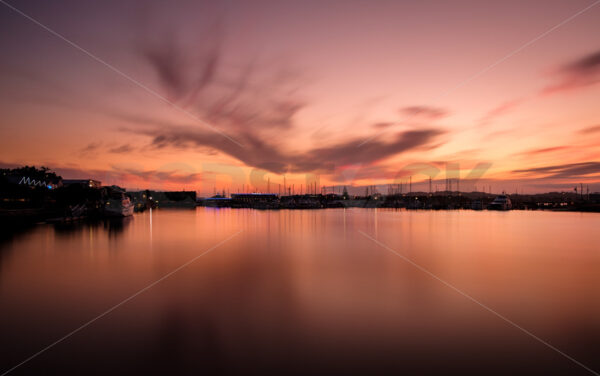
column 304, row 292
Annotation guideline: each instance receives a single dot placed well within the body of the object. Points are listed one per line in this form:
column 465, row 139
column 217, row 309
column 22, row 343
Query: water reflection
column 113, row 227
column 304, row 292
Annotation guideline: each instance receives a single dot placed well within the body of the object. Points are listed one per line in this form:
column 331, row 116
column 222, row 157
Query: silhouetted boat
column 117, row 204
column 502, row 202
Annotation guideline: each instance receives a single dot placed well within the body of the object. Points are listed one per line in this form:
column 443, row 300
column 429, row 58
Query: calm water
column 304, row 292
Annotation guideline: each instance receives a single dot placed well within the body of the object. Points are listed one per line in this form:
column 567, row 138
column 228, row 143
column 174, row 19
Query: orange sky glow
column 229, row 96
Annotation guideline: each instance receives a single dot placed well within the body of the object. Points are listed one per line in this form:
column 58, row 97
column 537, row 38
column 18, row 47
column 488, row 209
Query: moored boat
column 116, row 203
column 502, row 202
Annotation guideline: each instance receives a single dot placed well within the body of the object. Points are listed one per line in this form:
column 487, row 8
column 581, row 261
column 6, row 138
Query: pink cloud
column 580, row 73
column 499, row 110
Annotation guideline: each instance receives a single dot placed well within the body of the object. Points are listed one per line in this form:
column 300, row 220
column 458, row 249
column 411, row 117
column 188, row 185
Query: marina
column 26, row 200
column 300, row 188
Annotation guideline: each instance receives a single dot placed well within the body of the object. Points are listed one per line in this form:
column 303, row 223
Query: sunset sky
column 205, row 95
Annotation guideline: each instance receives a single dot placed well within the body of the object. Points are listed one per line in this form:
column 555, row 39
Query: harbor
column 559, row 201
column 300, row 188
column 31, row 195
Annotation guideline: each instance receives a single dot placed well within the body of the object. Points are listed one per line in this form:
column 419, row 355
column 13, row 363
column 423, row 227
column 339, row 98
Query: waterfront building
column 90, row 183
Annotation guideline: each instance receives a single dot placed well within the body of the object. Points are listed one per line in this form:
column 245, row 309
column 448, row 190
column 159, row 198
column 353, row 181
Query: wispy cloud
column 424, row 112
column 500, row 110
column 122, row 149
column 267, row 153
column 235, row 97
column 171, row 176
column 182, row 77
column 258, row 106
column 538, row 151
column 346, row 153
column 569, row 170
column 91, row 150
column 383, row 125
column 125, row 175
column 590, row 130
column 580, row 73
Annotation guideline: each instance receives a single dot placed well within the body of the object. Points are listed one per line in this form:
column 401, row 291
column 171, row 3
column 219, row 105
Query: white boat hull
column 115, row 208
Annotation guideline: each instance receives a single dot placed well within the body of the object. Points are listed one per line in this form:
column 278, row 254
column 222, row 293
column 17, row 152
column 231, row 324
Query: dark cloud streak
column 230, row 98
column 566, row 171
column 424, row 112
column 534, row 152
column 269, row 156
column 123, row 149
column 258, row 112
column 590, row 130
column 580, row 73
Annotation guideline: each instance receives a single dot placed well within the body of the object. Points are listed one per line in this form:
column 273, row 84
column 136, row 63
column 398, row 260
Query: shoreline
column 16, row 223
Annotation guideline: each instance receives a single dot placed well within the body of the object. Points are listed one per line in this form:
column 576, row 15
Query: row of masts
column 311, row 189
column 581, row 191
column 451, row 185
